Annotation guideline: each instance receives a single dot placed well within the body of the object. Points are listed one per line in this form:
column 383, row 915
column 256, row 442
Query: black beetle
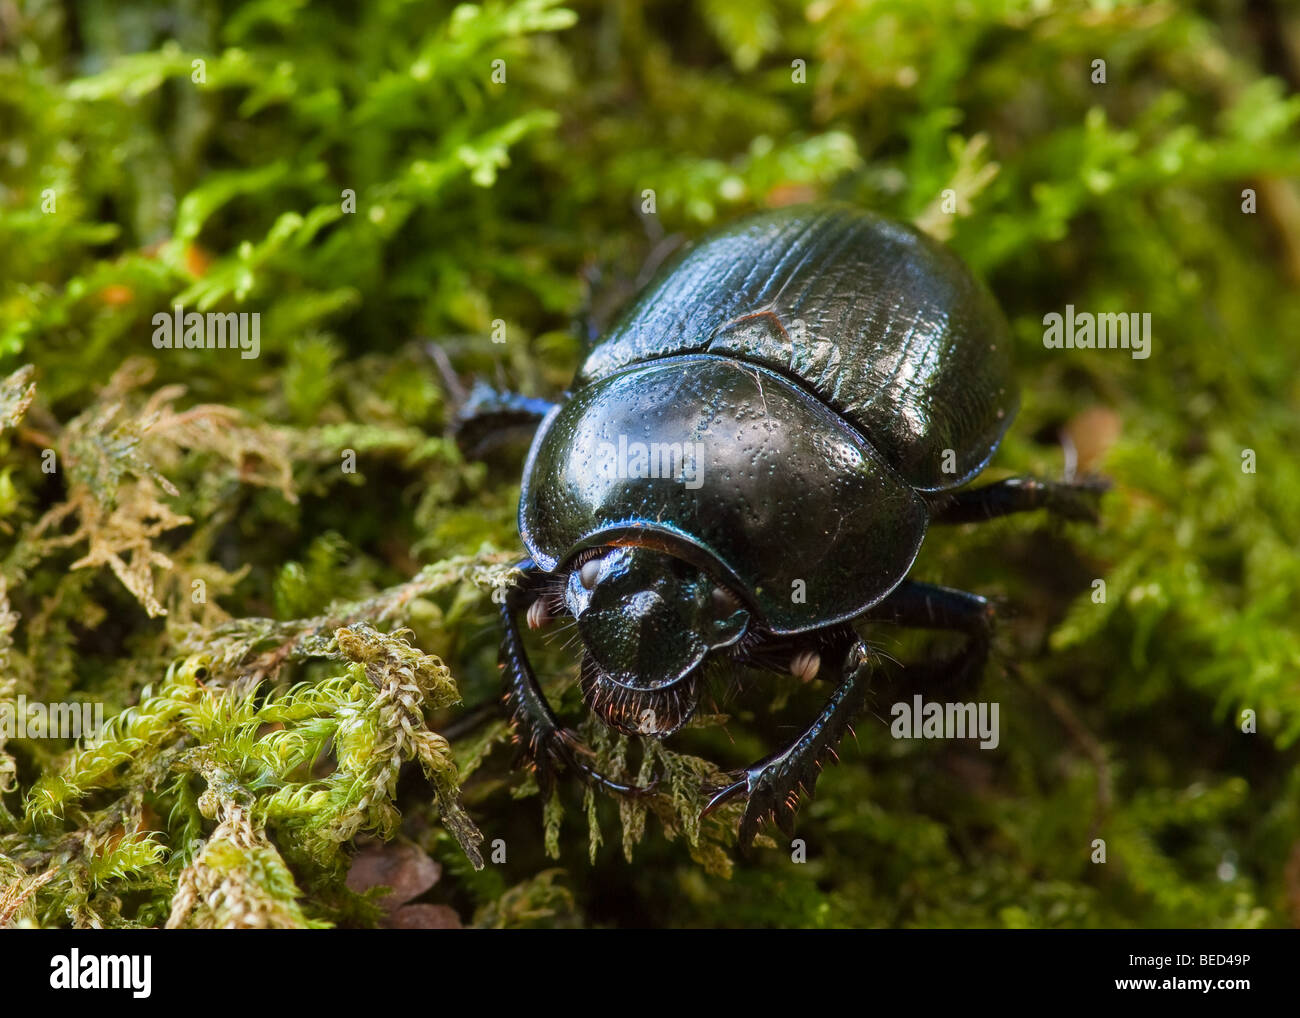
column 746, row 465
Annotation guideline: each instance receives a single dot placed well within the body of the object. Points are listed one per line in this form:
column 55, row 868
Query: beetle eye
column 589, row 572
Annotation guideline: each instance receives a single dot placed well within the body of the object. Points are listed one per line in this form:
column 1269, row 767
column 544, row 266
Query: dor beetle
column 745, row 466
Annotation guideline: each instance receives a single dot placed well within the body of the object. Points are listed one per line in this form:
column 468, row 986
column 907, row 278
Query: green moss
column 276, row 573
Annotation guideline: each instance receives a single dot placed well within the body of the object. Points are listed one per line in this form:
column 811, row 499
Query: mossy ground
column 280, row 642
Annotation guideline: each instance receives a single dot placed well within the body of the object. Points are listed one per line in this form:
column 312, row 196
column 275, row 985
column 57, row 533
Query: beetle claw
column 762, row 787
column 723, row 795
column 575, row 753
column 617, row 787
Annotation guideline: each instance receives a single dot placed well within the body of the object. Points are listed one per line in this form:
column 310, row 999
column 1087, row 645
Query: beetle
column 745, row 467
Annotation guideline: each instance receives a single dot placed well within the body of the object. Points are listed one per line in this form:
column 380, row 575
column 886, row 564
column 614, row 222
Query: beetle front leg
column 544, row 742
column 772, row 786
column 1075, row 500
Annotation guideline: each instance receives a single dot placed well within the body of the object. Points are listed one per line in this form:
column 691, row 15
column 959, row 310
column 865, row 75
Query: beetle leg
column 926, row 606
column 1075, row 500
column 487, row 417
column 543, row 740
column 772, row 786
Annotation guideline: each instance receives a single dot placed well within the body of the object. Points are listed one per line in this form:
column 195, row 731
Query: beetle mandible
column 802, row 393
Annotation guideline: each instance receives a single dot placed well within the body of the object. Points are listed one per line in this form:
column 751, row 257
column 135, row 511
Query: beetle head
column 647, row 619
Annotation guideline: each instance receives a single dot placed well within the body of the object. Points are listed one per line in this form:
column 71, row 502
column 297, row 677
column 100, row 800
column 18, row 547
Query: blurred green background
column 378, row 179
